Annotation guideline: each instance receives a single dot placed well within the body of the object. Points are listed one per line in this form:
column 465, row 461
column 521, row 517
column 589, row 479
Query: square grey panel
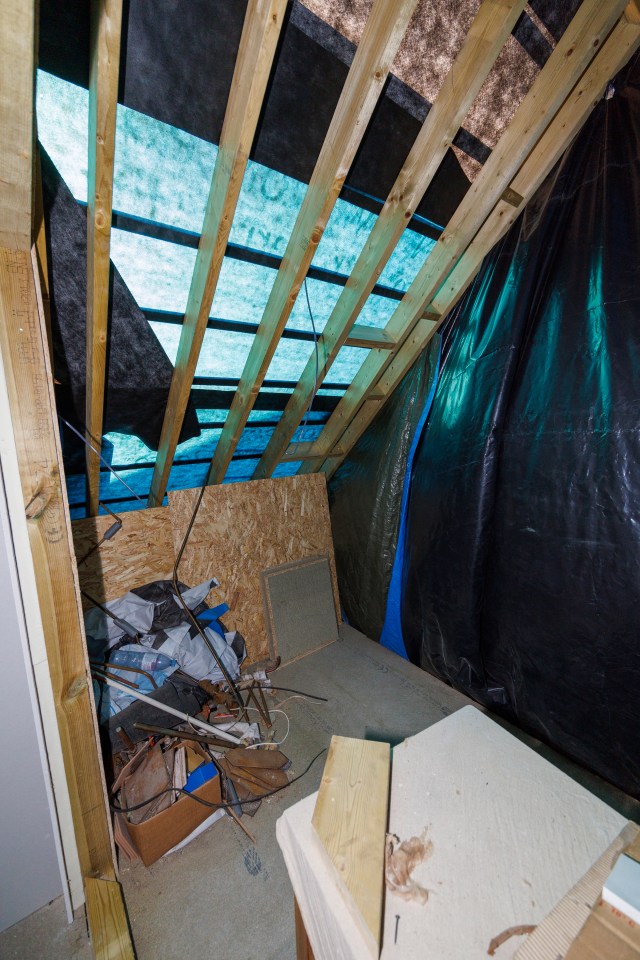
column 299, row 607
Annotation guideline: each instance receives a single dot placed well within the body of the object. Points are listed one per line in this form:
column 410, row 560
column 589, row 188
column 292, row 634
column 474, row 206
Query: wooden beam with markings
column 104, row 68
column 350, row 819
column 17, row 52
column 262, row 25
column 618, row 49
column 572, row 55
column 382, row 35
column 25, row 357
column 488, row 33
column 107, row 921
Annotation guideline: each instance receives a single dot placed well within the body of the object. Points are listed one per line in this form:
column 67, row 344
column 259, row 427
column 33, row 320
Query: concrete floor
column 223, row 896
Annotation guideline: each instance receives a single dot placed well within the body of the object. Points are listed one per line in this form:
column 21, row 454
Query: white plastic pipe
column 207, row 727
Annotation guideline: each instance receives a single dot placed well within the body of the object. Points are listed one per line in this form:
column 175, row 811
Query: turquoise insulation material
column 162, row 174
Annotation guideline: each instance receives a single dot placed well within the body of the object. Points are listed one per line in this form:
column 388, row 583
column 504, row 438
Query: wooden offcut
column 140, row 552
column 106, row 24
column 25, row 357
column 350, row 819
column 242, row 529
column 262, row 24
column 572, row 55
column 488, row 33
column 363, row 87
column 107, row 920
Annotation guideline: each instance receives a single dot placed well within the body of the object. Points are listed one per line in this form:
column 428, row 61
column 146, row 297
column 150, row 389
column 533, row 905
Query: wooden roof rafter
column 422, row 309
column 258, row 43
column 616, row 52
column 381, row 39
column 104, row 69
column 484, row 42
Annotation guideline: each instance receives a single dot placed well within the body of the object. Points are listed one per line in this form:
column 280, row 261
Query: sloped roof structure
column 295, row 194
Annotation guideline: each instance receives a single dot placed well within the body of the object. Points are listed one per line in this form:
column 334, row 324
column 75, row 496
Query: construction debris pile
column 175, row 710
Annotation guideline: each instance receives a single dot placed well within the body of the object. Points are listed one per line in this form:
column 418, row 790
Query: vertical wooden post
column 25, row 357
column 106, row 22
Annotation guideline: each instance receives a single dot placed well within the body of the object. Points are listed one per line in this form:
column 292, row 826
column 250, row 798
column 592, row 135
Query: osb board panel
column 244, row 528
column 140, row 552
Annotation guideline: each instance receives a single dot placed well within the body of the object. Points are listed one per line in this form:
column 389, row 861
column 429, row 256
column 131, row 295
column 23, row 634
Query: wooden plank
column 370, row 337
column 17, row 45
column 350, row 818
column 40, row 249
column 303, row 947
column 377, row 48
column 106, row 22
column 488, row 33
column 619, row 47
column 29, row 383
column 262, row 24
column 140, row 552
column 572, row 55
column 107, row 920
column 245, row 528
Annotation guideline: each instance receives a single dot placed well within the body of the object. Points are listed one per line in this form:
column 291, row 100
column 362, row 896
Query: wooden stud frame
column 379, row 44
column 106, row 23
column 262, row 25
column 25, row 357
column 17, row 56
column 488, row 33
column 540, row 119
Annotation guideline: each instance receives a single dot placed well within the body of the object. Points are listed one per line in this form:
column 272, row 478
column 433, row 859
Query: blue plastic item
column 210, row 618
column 203, row 773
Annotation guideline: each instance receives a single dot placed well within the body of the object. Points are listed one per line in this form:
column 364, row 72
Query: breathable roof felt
column 164, row 158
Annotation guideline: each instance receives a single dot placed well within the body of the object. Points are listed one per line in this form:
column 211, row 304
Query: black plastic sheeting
column 365, row 496
column 522, row 584
column 138, row 372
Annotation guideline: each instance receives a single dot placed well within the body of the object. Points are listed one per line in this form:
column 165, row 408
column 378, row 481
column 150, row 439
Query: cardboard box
column 154, row 837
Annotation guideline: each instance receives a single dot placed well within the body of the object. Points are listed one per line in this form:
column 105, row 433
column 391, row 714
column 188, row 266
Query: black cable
column 312, row 696
column 316, row 384
column 216, row 806
column 99, row 455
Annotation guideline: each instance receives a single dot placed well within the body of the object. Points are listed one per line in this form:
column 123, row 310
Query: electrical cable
column 99, row 455
column 216, row 806
column 316, row 384
column 278, row 743
column 301, row 692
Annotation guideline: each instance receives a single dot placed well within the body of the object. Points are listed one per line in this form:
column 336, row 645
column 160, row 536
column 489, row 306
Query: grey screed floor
column 224, row 898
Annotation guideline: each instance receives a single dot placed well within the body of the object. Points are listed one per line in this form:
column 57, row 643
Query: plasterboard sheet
column 511, row 836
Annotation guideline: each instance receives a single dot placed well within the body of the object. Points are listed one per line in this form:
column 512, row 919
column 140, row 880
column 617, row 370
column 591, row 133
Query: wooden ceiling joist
column 622, row 43
column 487, row 36
column 574, row 52
column 377, row 48
column 262, row 25
column 106, row 24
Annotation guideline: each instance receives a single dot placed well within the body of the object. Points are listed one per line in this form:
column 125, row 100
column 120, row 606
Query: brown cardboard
column 162, row 832
column 606, row 935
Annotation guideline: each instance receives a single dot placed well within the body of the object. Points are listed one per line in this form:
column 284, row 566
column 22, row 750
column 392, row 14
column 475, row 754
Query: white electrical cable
column 270, row 742
column 206, row 727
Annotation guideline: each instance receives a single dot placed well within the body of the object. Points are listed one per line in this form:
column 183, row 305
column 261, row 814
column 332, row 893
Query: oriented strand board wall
column 243, row 528
column 140, row 552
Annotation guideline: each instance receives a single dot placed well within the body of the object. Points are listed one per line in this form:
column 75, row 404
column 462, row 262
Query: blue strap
column 391, row 636
column 210, row 618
